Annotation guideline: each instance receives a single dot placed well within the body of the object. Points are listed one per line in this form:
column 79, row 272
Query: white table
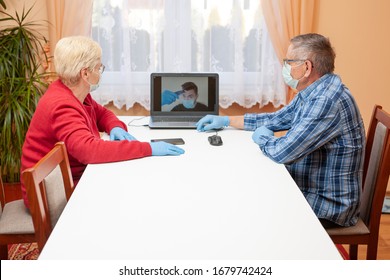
column 212, row 203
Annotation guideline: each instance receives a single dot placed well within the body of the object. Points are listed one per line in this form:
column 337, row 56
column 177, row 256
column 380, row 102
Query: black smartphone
column 174, row 141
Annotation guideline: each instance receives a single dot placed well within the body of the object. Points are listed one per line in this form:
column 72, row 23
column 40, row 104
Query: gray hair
column 317, row 49
column 72, row 54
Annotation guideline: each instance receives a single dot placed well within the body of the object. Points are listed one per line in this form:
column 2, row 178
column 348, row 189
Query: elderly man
column 324, row 144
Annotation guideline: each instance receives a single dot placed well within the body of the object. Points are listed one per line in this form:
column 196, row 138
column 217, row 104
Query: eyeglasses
column 101, row 69
column 288, row 61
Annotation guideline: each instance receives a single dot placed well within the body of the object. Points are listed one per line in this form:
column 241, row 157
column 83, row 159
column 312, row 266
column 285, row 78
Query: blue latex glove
column 211, row 122
column 161, row 148
column 118, row 133
column 168, row 97
column 261, row 131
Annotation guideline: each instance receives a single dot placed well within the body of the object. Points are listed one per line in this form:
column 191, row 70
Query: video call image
column 184, row 94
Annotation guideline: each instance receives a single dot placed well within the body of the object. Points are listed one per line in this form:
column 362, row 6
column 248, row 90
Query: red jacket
column 60, row 116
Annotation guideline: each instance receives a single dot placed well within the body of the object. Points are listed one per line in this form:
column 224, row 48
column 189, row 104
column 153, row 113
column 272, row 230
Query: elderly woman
column 68, row 113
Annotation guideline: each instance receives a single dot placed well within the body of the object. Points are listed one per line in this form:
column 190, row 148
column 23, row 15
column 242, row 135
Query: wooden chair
column 16, row 225
column 376, row 171
column 49, row 186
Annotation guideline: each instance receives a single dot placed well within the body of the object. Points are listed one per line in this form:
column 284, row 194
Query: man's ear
column 309, row 68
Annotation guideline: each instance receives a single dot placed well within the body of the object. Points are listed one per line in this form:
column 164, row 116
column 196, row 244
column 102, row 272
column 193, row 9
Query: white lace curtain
column 229, row 37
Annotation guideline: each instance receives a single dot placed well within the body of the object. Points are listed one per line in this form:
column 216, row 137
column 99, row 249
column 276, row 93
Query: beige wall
column 360, row 33
column 38, row 12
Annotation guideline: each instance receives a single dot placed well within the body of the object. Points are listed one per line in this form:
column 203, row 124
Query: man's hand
column 261, row 131
column 168, row 97
column 211, row 122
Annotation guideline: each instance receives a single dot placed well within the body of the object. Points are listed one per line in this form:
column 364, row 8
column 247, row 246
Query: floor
column 13, row 192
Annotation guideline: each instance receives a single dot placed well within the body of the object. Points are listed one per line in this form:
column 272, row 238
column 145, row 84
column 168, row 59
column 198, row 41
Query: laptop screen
column 190, row 94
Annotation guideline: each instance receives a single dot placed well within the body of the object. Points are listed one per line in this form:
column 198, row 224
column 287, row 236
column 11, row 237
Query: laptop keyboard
column 176, row 120
column 174, row 124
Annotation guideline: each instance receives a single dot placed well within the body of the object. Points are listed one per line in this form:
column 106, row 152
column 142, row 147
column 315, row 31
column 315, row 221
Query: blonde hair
column 72, row 54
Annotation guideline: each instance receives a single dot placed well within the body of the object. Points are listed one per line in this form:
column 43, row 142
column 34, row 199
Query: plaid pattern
column 323, row 148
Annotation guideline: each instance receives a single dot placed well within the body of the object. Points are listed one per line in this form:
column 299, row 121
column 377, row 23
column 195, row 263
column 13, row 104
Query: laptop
column 180, row 100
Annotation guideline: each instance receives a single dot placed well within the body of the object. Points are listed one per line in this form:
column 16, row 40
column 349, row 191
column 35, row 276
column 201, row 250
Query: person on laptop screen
column 188, row 97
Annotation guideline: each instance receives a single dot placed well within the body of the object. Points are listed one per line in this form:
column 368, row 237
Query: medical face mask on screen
column 189, row 103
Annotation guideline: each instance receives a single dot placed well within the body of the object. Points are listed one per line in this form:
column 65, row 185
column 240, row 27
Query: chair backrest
column 49, row 186
column 376, row 168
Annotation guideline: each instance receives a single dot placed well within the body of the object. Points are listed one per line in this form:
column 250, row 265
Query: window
column 229, row 37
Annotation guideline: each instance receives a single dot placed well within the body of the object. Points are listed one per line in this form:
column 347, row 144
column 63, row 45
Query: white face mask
column 288, row 79
column 93, row 87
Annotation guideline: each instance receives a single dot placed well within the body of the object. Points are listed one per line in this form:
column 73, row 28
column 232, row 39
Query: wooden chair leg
column 353, row 251
column 4, row 252
column 372, row 250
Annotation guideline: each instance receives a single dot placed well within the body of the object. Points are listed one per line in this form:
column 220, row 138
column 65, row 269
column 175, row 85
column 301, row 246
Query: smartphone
column 174, row 141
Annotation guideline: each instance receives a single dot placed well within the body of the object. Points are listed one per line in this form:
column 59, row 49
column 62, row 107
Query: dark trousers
column 328, row 224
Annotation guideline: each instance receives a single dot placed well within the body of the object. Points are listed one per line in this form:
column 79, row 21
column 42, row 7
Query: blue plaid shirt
column 322, row 149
